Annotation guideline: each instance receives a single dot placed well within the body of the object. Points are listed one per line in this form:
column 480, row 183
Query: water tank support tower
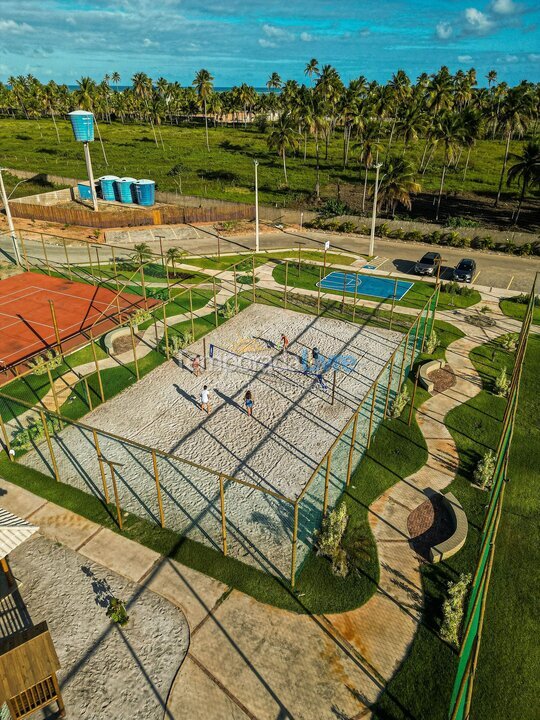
column 82, row 123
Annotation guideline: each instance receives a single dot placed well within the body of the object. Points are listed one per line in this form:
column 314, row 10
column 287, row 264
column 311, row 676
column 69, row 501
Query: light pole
column 256, row 164
column 5, row 201
column 374, row 213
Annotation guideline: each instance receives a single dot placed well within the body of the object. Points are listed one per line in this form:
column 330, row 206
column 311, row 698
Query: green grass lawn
column 515, row 309
column 227, row 171
column 416, row 297
column 431, row 664
column 225, row 261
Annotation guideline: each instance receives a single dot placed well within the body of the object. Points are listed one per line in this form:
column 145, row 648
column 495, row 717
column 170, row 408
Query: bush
column 228, row 310
column 398, row 404
column 158, row 293
column 456, row 222
column 332, row 225
column 509, row 341
column 524, row 299
column 177, row 342
column 24, row 438
column 117, row 611
column 330, row 537
column 334, row 207
column 502, row 383
column 455, row 288
column 454, row 608
column 432, row 343
column 381, row 230
column 414, row 236
column 483, row 473
column 139, row 317
column 261, row 122
column 48, row 361
column 396, row 234
column 347, row 227
column 482, row 243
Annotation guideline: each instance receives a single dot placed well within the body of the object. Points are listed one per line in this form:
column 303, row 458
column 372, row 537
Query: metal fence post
column 375, row 386
column 67, row 259
column 134, row 350
column 319, row 293
column 55, row 326
column 235, row 292
column 355, row 300
column 101, row 468
column 94, row 353
column 223, row 515
column 253, row 277
column 191, row 314
column 326, row 481
column 393, row 303
column 390, row 371
column 286, row 284
column 158, row 488
column 351, row 450
column 3, row 428
column 45, row 254
column 215, row 303
column 49, row 443
column 294, row 541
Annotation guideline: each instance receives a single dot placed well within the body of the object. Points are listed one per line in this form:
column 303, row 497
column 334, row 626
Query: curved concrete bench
column 426, row 369
column 113, row 335
column 457, row 540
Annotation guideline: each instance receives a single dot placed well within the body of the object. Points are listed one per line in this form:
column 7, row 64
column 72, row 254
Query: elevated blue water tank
column 125, row 189
column 84, row 191
column 82, row 123
column 146, row 192
column 108, row 186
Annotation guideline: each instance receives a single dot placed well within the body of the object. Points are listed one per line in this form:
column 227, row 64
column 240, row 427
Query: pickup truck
column 428, row 264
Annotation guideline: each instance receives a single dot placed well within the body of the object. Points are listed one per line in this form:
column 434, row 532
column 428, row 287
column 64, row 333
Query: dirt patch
column 429, row 524
column 123, row 344
column 442, row 379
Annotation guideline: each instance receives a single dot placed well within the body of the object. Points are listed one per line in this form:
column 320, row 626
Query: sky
column 246, row 40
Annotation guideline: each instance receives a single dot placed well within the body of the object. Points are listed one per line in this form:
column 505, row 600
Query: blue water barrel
column 82, row 123
column 108, row 186
column 146, row 192
column 125, row 189
column 84, row 191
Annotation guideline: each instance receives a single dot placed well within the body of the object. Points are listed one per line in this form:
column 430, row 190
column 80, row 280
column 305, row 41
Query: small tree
column 483, row 474
column 509, row 341
column 453, row 609
column 48, row 361
column 329, row 539
column 228, row 310
column 398, row 404
column 432, row 343
column 502, row 384
column 177, row 342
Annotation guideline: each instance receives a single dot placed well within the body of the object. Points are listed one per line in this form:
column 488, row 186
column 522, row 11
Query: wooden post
column 98, row 263
column 97, row 370
column 115, row 269
column 235, row 292
column 141, row 271
column 344, row 288
column 393, row 303
column 253, row 277
column 90, row 263
column 204, row 351
column 409, row 421
column 67, row 259
column 391, row 370
column 6, row 436
column 223, row 516
column 294, row 540
column 134, row 350
column 45, row 254
column 375, row 386
column 327, row 481
column 286, row 284
column 334, row 387
column 413, row 352
column 405, row 343
column 115, row 490
column 87, row 388
column 355, row 297
column 215, row 303
column 425, row 329
column 324, row 262
column 158, row 488
column 24, row 252
column 55, row 325
column 49, row 443
column 351, row 449
column 53, row 390
column 319, row 293
column 166, row 336
column 191, row 314
column 101, row 468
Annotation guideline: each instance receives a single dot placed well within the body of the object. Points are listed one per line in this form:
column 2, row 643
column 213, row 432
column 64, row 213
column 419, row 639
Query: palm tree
column 115, row 78
column 396, row 185
column 143, row 89
column 526, row 171
column 173, row 256
column 515, row 115
column 448, row 130
column 50, row 99
column 142, row 253
column 311, row 69
column 491, row 77
column 369, row 146
column 203, row 85
column 274, row 81
column 282, row 138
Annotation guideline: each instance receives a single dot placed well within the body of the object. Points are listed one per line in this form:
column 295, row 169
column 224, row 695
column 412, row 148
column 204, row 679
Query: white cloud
column 511, row 58
column 477, row 21
column 533, row 57
column 504, row 7
column 444, row 30
column 149, row 43
column 306, row 37
column 278, row 33
column 464, row 58
column 263, row 42
column 15, row 28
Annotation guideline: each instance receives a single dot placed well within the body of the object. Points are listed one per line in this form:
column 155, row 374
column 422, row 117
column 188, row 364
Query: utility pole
column 5, row 201
column 374, row 213
column 256, row 164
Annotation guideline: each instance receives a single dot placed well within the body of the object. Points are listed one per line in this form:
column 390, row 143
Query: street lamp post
column 5, row 201
column 374, row 213
column 256, row 164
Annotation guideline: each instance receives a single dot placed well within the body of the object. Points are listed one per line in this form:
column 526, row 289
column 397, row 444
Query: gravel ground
column 293, row 426
column 107, row 672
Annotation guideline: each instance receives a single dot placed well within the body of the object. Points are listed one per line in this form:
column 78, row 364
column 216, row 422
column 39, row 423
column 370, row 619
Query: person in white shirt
column 205, row 399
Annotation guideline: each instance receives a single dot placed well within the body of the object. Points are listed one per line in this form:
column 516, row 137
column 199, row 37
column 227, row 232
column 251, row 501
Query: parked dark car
column 428, row 264
column 465, row 270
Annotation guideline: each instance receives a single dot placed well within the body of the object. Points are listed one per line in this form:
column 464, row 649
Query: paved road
column 496, row 270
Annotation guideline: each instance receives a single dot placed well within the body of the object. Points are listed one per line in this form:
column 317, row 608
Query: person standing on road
column 205, row 400
column 196, row 365
column 248, row 402
column 284, row 344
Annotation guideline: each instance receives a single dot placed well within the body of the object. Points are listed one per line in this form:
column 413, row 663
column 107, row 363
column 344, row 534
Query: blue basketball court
column 369, row 285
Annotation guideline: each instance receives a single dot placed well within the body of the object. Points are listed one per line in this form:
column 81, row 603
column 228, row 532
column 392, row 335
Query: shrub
column 381, row 230
column 261, row 122
column 158, row 293
column 502, row 383
column 177, row 341
column 432, row 343
column 228, row 310
column 483, row 473
column 436, row 236
column 455, row 222
column 334, row 207
column 48, row 361
column 396, row 234
column 330, row 537
column 24, row 438
column 117, row 611
column 398, row 404
column 332, row 225
column 454, row 608
column 139, row 317
column 347, row 227
column 509, row 341
column 455, row 288
column 482, row 243
column 414, row 236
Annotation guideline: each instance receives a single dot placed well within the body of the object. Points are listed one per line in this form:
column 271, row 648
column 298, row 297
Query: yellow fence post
column 115, row 490
column 405, row 343
column 94, row 353
column 294, row 540
column 166, row 334
column 375, row 386
column 24, row 252
column 49, row 443
column 53, row 390
column 158, row 489
column 409, row 421
column 87, row 388
column 45, row 254
column 191, row 314
column 3, row 428
column 215, row 303
column 355, row 299
column 253, row 278
column 67, row 259
column 327, row 481
column 351, row 449
column 223, row 516
column 393, row 303
column 101, row 468
column 235, row 291
column 134, row 350
column 286, row 284
column 390, row 371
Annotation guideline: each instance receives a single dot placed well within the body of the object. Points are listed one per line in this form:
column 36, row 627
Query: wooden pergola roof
column 13, row 532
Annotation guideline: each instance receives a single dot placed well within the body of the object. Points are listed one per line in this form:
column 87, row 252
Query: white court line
column 20, row 297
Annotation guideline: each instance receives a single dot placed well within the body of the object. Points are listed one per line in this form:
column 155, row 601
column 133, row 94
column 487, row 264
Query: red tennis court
column 26, row 314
